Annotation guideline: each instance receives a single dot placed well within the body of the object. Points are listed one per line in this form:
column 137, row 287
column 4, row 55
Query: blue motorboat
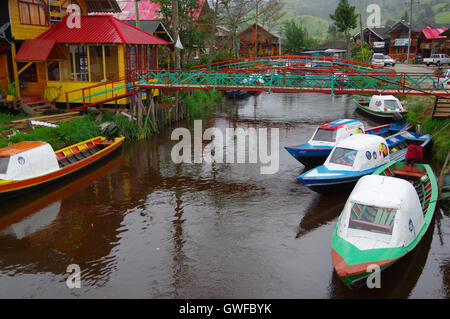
column 316, row 151
column 359, row 155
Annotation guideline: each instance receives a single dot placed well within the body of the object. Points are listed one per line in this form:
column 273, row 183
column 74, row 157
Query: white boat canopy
column 358, row 152
column 331, row 133
column 26, row 160
column 381, row 212
column 385, row 103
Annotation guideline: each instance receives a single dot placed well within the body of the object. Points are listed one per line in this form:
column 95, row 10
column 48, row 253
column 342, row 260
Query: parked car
column 437, row 59
column 388, row 61
column 444, row 80
column 378, row 59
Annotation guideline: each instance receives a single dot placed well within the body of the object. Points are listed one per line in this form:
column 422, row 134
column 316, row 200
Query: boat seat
column 86, row 153
column 79, row 156
column 64, row 162
column 406, row 173
column 93, row 150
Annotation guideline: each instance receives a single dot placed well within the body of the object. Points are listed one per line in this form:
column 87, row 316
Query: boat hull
column 325, row 184
column 17, row 188
column 309, row 156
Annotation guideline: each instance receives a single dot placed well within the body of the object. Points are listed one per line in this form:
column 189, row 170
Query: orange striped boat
column 28, row 165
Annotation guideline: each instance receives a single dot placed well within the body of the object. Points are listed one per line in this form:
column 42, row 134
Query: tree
column 179, row 16
column 405, row 16
column 344, row 18
column 235, row 13
column 296, row 40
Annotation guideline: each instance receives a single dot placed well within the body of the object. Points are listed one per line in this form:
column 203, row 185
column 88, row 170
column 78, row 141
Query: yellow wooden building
column 53, row 54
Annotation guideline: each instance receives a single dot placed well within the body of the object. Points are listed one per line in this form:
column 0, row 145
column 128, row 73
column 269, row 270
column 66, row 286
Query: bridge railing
column 290, row 62
column 300, row 80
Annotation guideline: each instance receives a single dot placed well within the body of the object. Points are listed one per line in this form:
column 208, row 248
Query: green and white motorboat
column 381, row 106
column 385, row 217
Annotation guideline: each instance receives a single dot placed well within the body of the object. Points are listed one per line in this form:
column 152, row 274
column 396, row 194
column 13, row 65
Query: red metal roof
column 99, row 29
column 37, row 50
column 434, row 33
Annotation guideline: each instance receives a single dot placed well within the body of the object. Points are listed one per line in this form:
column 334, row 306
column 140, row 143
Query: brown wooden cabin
column 269, row 43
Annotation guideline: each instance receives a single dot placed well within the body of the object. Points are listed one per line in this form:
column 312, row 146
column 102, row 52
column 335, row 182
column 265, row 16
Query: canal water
column 140, row 226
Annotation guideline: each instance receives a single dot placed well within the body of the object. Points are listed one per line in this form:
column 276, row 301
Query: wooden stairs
column 35, row 105
column 441, row 108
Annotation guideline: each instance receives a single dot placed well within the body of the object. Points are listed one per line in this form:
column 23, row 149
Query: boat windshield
column 391, row 104
column 372, row 218
column 325, row 135
column 4, row 161
column 343, row 156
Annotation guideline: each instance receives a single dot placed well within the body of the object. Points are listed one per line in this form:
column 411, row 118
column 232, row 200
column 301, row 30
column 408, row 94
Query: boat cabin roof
column 20, row 148
column 384, row 97
column 340, row 123
column 361, row 142
column 382, row 191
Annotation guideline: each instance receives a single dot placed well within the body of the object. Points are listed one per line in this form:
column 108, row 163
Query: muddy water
column 140, row 226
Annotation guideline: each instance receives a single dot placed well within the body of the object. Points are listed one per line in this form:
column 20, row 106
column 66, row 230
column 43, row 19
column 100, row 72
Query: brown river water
column 140, row 226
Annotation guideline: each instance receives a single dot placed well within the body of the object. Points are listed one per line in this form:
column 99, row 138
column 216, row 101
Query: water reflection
column 141, row 226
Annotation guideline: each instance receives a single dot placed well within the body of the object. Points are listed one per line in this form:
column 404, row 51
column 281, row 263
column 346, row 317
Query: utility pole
column 136, row 8
column 256, row 29
column 410, row 26
column 361, row 32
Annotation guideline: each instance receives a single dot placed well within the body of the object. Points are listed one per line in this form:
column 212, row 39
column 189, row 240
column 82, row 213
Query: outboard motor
column 111, row 132
column 399, row 118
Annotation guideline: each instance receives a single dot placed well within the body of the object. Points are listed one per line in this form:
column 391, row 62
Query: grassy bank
column 68, row 133
column 419, row 113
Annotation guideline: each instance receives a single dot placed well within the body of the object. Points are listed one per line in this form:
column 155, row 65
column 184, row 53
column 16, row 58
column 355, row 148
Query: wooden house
column 47, row 54
column 400, row 38
column 269, row 43
column 445, row 45
column 377, row 38
column 430, row 40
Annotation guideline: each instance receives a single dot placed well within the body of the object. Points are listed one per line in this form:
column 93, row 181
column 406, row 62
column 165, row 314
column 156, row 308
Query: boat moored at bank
column 325, row 137
column 27, row 165
column 381, row 106
column 360, row 155
column 385, row 217
column 323, row 140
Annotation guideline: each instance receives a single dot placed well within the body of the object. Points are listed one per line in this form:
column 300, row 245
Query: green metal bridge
column 277, row 74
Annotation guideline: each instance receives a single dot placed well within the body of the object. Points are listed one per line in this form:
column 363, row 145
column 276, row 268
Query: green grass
column 200, row 101
column 419, row 113
column 67, row 133
column 6, row 118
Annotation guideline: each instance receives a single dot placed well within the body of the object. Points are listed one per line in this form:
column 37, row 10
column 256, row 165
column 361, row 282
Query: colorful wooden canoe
column 28, row 165
column 385, row 217
column 381, row 106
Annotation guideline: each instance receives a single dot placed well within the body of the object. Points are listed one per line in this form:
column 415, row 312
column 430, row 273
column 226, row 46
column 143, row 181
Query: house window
column 79, row 62
column 33, row 12
column 53, row 71
column 29, row 74
column 96, row 63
